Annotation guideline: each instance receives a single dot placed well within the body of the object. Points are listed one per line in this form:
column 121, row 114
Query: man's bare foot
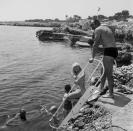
column 108, row 96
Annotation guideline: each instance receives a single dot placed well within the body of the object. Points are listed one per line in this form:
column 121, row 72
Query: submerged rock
column 50, row 35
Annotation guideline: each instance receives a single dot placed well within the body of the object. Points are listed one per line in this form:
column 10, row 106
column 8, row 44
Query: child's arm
column 10, row 120
column 79, row 78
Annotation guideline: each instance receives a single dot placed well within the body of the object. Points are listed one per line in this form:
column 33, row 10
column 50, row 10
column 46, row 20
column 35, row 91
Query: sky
column 18, row 10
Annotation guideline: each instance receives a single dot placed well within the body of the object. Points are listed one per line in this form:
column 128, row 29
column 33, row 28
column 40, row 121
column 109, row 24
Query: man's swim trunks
column 111, row 51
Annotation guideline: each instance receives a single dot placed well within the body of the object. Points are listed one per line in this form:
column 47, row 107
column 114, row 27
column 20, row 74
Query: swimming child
column 55, row 120
column 21, row 116
column 24, row 117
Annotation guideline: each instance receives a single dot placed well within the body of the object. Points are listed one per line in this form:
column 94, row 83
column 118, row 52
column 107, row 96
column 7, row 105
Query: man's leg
column 109, row 73
column 103, row 79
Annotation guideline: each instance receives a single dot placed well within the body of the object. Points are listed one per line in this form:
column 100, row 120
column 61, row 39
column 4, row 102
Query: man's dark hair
column 97, row 22
column 67, row 88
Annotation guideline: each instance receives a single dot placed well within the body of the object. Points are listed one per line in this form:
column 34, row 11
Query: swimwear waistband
column 111, row 51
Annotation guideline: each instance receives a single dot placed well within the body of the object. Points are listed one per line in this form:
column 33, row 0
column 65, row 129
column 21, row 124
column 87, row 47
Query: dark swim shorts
column 111, row 51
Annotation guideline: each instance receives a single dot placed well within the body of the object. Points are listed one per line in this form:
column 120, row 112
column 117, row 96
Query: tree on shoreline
column 123, row 15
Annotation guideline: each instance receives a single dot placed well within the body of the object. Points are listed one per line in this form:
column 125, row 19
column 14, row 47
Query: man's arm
column 96, row 42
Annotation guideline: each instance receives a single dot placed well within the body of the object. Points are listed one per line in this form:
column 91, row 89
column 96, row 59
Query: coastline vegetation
column 69, row 20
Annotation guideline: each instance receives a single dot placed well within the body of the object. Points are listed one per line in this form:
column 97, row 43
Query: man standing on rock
column 103, row 35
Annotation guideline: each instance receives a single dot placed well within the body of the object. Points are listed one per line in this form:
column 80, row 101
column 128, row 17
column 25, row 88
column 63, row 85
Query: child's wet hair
column 67, row 88
column 74, row 68
column 53, row 109
column 23, row 115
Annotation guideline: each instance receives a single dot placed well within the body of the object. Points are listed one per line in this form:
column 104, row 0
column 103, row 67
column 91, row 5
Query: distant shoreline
column 32, row 24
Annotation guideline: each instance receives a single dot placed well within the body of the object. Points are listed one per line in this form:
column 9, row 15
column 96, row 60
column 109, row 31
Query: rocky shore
column 102, row 114
column 123, row 32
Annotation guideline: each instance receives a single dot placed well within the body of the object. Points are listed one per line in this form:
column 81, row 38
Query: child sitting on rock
column 20, row 117
column 79, row 83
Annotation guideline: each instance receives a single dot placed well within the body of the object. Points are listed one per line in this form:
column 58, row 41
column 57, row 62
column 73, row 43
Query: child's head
column 22, row 114
column 53, row 109
column 67, row 88
column 76, row 69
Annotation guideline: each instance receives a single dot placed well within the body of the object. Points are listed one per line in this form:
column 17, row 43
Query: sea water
column 33, row 73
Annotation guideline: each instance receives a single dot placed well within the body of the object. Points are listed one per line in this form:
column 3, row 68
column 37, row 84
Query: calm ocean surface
column 33, row 73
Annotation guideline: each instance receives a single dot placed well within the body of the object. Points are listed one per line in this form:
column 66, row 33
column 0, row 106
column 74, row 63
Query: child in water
column 21, row 116
column 67, row 103
column 54, row 120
